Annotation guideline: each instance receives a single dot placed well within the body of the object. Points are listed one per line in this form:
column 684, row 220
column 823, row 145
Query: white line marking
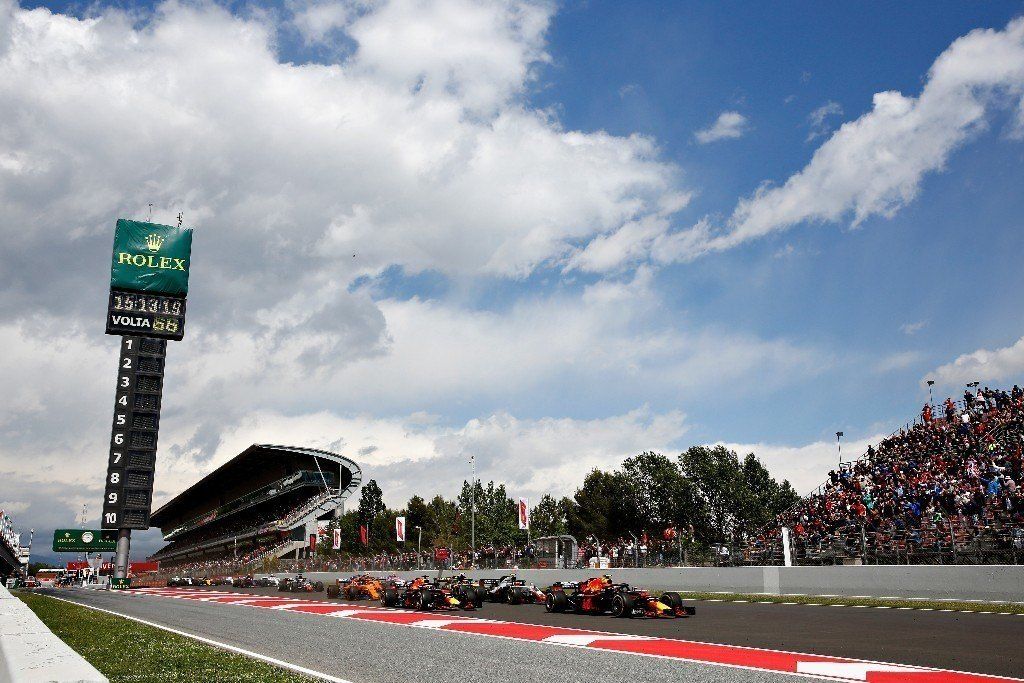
column 575, row 639
column 853, row 671
column 436, row 623
column 224, row 646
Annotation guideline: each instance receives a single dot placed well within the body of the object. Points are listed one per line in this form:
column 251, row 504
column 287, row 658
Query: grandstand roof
column 250, row 464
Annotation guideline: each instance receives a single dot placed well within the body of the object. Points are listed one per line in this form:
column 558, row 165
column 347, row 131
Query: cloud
column 874, row 165
column 807, row 466
column 898, row 361
column 1004, row 364
column 816, row 120
column 414, row 455
column 910, row 329
column 729, row 125
column 416, row 150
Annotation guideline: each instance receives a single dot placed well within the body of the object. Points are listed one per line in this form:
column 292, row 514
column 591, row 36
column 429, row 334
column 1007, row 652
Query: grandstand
column 10, row 549
column 944, row 489
column 264, row 502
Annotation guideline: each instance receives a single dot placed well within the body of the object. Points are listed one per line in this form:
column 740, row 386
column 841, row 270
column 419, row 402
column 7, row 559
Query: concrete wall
column 992, row 582
column 30, row 653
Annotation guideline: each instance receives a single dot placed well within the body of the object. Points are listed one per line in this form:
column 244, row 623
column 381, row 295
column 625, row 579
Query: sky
column 550, row 235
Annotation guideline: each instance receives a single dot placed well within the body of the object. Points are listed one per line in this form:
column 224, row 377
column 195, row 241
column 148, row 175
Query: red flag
column 312, row 542
column 363, row 535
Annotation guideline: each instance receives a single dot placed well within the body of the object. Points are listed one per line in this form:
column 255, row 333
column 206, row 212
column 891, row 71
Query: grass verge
column 127, row 651
column 935, row 605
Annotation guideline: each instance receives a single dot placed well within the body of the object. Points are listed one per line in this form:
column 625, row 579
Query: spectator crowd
column 954, row 475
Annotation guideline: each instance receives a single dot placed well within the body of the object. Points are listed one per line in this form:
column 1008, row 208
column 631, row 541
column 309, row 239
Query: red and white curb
column 793, row 663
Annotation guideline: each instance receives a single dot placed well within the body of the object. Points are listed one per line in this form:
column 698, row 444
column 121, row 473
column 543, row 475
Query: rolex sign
column 150, row 258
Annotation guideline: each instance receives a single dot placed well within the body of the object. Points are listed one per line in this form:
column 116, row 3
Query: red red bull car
column 602, row 596
column 422, row 594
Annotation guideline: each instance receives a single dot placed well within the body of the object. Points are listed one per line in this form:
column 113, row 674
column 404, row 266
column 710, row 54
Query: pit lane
column 975, row 642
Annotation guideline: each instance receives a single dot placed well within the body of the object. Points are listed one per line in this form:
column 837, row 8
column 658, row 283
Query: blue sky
column 428, row 229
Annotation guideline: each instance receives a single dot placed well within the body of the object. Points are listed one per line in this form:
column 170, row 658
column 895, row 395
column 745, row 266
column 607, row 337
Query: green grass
column 955, row 605
column 127, row 651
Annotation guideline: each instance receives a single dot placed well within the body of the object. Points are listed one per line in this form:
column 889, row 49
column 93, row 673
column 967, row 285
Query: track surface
column 980, row 643
column 366, row 652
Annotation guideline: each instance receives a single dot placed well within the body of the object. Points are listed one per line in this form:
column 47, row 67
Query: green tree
column 371, row 501
column 548, row 518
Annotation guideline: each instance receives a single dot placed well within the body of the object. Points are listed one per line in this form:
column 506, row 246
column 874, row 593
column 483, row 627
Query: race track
column 370, row 644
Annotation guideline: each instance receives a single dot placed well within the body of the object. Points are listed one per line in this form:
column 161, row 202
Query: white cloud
column 316, row 20
column 1004, row 364
column 415, row 455
column 910, row 329
column 874, row 165
column 728, row 126
column 817, row 119
column 807, row 466
column 898, row 361
column 417, row 150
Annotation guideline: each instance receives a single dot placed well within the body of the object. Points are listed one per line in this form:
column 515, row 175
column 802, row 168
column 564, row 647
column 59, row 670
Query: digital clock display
column 146, row 315
column 132, row 302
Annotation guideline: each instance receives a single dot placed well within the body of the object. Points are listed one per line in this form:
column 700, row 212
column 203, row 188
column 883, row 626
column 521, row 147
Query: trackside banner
column 149, row 257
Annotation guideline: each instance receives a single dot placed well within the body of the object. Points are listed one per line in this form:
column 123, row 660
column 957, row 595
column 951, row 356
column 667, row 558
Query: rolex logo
column 153, row 242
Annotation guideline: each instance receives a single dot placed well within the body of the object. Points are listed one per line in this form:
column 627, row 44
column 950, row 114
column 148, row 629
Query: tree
column 599, row 506
column 547, row 518
column 416, row 515
column 655, row 492
column 371, row 501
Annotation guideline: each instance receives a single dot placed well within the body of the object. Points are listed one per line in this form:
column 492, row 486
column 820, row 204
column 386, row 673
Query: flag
column 337, row 540
column 524, row 513
column 364, row 536
column 400, row 529
column 312, row 542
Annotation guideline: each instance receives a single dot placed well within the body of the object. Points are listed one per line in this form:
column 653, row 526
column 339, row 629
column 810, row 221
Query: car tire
column 333, row 591
column 556, row 601
column 622, row 606
column 318, row 586
column 673, row 600
column 425, row 602
column 389, row 598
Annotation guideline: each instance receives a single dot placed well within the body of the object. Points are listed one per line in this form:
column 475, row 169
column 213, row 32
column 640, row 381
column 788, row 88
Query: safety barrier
column 31, row 653
column 949, row 582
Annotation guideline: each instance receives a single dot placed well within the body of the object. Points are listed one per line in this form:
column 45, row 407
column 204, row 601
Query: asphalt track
column 361, row 650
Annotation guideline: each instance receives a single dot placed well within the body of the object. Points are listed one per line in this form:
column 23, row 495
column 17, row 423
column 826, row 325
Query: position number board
column 128, row 492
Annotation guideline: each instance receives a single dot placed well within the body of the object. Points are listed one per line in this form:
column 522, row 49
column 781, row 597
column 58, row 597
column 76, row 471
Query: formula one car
column 267, row 581
column 242, row 581
column 300, row 584
column 424, row 595
column 364, row 587
column 512, row 590
column 600, row 595
column 179, row 581
column 464, row 590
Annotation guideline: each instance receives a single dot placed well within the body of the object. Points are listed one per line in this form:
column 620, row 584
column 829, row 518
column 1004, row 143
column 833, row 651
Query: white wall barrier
column 965, row 582
column 30, row 653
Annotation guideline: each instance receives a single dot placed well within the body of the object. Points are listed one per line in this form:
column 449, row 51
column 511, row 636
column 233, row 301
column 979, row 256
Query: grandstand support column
column 124, row 540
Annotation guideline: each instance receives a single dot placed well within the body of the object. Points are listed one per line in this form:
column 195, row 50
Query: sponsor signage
column 149, row 257
column 149, row 280
column 120, row 584
column 524, row 513
column 400, row 529
column 84, row 540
